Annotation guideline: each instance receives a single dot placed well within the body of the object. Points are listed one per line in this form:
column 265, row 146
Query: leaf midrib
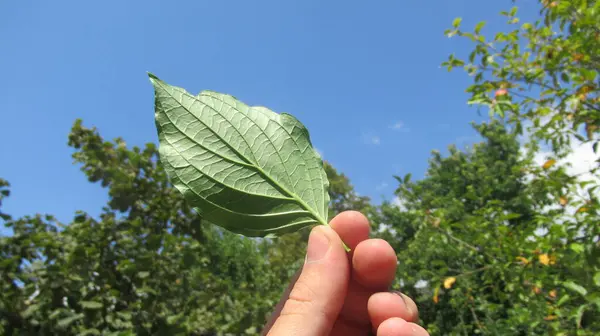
column 223, row 183
column 325, row 205
column 223, row 102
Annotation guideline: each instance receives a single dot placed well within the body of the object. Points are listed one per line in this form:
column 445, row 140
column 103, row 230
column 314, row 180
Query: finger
column 352, row 227
column 374, row 264
column 384, row 306
column 374, row 268
column 399, row 327
column 317, row 297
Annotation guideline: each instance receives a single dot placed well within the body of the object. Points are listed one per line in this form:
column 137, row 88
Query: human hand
column 339, row 293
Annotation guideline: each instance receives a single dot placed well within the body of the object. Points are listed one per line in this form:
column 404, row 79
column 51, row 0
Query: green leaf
column 456, row 22
column 588, row 74
column 91, row 304
column 67, row 321
column 30, row 310
column 577, row 248
column 56, row 313
column 479, row 26
column 575, row 287
column 579, row 315
column 597, row 278
column 563, row 299
column 173, row 319
column 143, row 274
column 247, row 169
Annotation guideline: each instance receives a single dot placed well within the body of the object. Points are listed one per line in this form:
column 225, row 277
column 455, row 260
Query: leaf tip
column 153, row 78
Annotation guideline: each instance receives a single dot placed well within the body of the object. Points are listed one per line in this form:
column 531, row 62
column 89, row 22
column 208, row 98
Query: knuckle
column 300, row 301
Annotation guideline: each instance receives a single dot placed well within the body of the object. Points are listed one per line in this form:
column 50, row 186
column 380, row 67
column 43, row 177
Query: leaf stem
column 346, row 248
column 300, row 201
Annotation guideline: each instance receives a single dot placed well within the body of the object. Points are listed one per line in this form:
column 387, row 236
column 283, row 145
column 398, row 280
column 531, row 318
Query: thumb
column 315, row 300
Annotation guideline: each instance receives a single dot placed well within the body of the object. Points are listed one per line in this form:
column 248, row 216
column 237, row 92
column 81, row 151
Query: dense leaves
column 538, row 244
column 542, row 74
column 491, row 254
column 149, row 265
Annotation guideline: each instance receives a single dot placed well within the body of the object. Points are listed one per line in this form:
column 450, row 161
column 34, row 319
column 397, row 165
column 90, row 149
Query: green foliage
column 342, row 195
column 247, row 169
column 481, row 247
column 517, row 242
column 4, row 192
column 149, row 265
column 542, row 75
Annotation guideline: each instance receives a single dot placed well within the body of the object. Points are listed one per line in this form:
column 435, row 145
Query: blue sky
column 364, row 77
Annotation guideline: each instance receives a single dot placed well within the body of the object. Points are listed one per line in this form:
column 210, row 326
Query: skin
column 338, row 293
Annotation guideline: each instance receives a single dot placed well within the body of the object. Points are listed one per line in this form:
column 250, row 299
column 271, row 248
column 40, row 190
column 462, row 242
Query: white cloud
column 400, row 203
column 399, row 126
column 371, row 139
column 381, row 186
column 383, row 227
column 579, row 162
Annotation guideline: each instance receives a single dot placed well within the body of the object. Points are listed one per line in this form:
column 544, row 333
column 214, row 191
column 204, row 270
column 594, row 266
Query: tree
column 519, row 250
column 148, row 265
column 486, row 254
column 542, row 75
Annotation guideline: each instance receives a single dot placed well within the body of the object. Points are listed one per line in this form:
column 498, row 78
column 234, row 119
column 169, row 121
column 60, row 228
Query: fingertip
column 385, row 305
column 352, row 227
column 399, row 327
column 417, row 330
column 374, row 264
column 394, row 327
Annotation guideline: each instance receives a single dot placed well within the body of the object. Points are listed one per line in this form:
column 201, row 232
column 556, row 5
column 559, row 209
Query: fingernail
column 402, row 296
column 318, row 245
